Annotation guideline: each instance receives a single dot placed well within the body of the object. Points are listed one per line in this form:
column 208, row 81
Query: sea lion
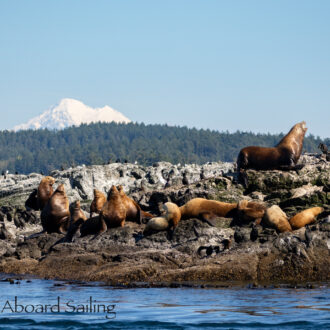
column 323, row 148
column 170, row 218
column 32, row 201
column 305, row 217
column 133, row 210
column 113, row 213
column 201, row 208
column 156, row 224
column 98, row 202
column 45, row 191
column 250, row 211
column 56, row 214
column 325, row 151
column 172, row 214
column 207, row 209
column 275, row 217
column 77, row 218
column 284, row 156
column 76, row 212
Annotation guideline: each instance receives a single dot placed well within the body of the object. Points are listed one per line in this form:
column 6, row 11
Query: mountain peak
column 69, row 112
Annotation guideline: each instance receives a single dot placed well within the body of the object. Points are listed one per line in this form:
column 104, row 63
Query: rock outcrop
column 197, row 252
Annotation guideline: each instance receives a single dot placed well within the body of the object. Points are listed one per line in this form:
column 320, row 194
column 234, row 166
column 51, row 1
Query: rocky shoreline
column 197, row 254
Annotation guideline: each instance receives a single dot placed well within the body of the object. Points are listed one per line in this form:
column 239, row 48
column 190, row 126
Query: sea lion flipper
column 146, row 215
column 73, row 230
column 257, row 221
column 209, row 218
column 35, row 235
column 170, row 233
column 138, row 213
column 243, row 179
column 62, row 229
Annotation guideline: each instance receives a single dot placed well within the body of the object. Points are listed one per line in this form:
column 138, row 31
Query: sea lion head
column 97, row 193
column 298, row 130
column 249, row 211
column 113, row 192
column 303, row 126
column 60, row 188
column 293, row 141
column 76, row 204
column 172, row 212
column 48, row 179
column 121, row 190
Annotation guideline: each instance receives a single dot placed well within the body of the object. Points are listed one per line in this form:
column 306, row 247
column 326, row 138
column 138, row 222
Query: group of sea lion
column 117, row 207
column 243, row 212
column 54, row 205
column 58, row 217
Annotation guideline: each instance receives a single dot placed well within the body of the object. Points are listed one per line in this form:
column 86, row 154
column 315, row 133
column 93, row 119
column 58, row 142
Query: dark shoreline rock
column 197, row 254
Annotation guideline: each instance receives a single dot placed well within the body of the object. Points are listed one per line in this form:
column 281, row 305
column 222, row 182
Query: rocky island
column 197, row 253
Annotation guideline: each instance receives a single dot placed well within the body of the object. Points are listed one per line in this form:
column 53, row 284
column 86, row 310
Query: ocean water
column 45, row 304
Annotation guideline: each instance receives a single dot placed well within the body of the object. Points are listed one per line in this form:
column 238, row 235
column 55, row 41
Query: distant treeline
column 44, row 150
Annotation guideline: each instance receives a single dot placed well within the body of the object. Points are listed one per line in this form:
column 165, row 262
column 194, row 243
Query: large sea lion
column 305, row 217
column 201, row 208
column 284, row 156
column 206, row 209
column 45, row 191
column 98, row 202
column 133, row 210
column 276, row 218
column 113, row 213
column 55, row 215
column 40, row 196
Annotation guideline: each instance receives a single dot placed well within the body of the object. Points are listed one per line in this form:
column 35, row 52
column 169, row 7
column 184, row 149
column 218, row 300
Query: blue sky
column 258, row 66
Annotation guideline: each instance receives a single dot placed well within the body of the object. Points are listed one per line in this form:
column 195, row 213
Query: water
column 159, row 308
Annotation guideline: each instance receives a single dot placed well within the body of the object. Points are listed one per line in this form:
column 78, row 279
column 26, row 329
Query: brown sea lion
column 133, row 210
column 305, row 217
column 284, row 156
column 250, row 211
column 276, row 218
column 45, row 191
column 77, row 218
column 113, row 213
column 207, row 209
column 201, row 208
column 98, row 202
column 55, row 215
column 76, row 212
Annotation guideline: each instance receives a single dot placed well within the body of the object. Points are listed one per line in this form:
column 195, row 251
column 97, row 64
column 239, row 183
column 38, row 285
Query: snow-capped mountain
column 71, row 112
